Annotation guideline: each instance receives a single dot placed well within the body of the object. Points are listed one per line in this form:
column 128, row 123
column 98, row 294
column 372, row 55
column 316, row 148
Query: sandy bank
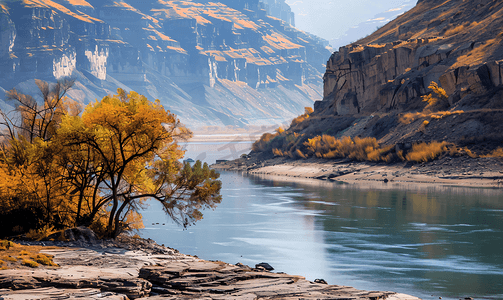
column 143, row 269
column 458, row 171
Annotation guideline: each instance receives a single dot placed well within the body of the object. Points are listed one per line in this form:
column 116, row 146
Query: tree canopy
column 64, row 168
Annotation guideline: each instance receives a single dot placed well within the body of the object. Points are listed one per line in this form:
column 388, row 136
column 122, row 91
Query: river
column 426, row 241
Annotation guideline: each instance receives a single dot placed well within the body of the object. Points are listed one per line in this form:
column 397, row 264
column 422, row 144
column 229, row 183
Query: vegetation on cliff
column 298, row 142
column 62, row 169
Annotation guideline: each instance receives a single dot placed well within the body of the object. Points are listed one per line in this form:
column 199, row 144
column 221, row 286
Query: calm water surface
column 425, row 241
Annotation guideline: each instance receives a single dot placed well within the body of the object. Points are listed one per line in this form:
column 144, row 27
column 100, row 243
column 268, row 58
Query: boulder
column 264, row 265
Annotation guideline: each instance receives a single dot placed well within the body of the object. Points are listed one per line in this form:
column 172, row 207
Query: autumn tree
column 32, row 182
column 105, row 163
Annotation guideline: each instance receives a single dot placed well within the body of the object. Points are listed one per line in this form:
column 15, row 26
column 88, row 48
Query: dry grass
column 5, row 245
column 18, row 256
column 495, row 153
column 479, row 54
column 362, row 149
column 426, row 151
column 408, row 118
column 29, row 263
column 454, row 30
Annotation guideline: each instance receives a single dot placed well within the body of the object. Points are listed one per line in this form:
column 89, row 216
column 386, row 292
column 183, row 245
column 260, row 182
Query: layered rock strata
column 106, row 272
column 205, row 60
column 456, row 44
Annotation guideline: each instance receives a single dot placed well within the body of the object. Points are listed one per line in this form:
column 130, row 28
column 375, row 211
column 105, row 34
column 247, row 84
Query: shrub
column 436, row 98
column 261, row 144
column 41, row 233
column 5, row 245
column 277, row 152
column 9, row 258
column 300, row 154
column 424, row 152
column 29, row 263
column 362, row 149
column 495, row 153
column 300, row 119
column 45, row 260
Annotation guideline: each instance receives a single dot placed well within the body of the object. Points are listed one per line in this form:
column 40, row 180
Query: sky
column 331, row 19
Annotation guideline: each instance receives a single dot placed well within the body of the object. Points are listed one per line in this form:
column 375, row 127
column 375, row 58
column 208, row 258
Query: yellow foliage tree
column 97, row 169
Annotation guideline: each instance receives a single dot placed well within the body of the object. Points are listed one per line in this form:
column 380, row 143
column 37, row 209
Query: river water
column 426, row 241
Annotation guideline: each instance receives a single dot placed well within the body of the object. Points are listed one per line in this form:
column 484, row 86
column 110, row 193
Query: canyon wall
column 209, row 62
column 456, row 44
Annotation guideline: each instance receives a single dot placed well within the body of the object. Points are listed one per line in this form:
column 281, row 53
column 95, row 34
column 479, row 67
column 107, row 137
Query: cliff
column 222, row 63
column 457, row 44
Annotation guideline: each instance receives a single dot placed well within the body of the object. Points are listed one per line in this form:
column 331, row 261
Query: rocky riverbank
column 131, row 268
column 457, row 171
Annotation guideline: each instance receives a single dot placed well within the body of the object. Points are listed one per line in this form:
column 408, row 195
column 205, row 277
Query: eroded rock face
column 366, row 79
column 190, row 55
column 454, row 44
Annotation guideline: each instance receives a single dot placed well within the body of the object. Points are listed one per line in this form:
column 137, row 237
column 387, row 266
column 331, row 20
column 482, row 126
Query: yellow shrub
column 277, row 152
column 495, row 153
column 5, row 245
column 261, row 144
column 40, row 234
column 433, row 99
column 29, row 263
column 362, row 149
column 9, row 258
column 1, row 262
column 303, row 117
column 424, row 152
column 45, row 260
column 299, row 153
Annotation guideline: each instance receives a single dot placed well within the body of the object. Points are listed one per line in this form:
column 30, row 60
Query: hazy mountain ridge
column 207, row 62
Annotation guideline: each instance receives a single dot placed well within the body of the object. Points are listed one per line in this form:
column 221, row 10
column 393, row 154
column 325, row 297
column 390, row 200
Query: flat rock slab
column 119, row 274
column 54, row 293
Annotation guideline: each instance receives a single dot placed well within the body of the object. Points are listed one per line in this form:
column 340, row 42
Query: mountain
column 370, row 85
column 211, row 63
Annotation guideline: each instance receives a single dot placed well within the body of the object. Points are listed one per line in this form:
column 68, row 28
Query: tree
column 33, row 181
column 134, row 145
column 98, row 168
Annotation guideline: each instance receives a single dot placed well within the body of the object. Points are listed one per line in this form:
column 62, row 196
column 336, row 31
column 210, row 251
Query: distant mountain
column 212, row 63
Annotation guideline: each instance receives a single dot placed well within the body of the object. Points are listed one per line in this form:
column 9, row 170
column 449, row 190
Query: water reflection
column 420, row 240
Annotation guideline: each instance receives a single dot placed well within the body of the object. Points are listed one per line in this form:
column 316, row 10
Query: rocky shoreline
column 453, row 171
column 131, row 268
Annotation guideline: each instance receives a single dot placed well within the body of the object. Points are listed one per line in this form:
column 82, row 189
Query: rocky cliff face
column 209, row 62
column 456, row 44
column 280, row 9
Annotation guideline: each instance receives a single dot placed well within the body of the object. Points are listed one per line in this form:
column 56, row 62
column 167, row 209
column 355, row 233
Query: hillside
column 375, row 87
column 212, row 63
